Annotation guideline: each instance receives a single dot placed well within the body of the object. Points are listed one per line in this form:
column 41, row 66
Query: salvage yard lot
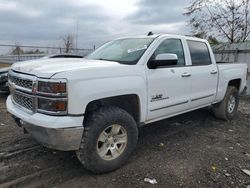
column 191, row 150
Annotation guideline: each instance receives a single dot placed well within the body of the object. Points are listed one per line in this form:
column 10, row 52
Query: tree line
column 219, row 20
column 67, row 45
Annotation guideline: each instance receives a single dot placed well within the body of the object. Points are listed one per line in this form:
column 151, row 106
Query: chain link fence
column 238, row 52
column 14, row 53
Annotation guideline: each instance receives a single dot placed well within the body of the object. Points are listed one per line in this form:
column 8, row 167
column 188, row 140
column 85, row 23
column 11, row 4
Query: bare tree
column 17, row 50
column 68, row 42
column 222, row 19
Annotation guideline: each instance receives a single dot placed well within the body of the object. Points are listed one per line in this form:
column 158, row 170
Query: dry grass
column 2, row 65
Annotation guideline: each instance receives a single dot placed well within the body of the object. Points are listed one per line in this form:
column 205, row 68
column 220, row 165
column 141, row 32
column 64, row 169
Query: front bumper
column 65, row 139
column 56, row 132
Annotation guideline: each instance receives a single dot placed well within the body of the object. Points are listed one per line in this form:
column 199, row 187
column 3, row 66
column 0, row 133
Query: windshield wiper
column 105, row 59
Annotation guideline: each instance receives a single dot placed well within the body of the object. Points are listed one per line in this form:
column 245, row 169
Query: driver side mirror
column 162, row 60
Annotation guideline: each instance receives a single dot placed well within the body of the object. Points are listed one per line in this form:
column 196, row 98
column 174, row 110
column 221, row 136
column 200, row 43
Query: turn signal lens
column 59, row 88
column 59, row 105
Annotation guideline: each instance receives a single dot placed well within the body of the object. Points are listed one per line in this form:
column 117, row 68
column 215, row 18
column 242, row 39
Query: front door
column 169, row 87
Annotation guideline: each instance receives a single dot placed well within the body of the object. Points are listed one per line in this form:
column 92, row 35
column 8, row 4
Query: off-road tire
column 94, row 125
column 221, row 109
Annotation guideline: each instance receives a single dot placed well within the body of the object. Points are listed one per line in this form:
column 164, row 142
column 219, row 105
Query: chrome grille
column 24, row 83
column 23, row 100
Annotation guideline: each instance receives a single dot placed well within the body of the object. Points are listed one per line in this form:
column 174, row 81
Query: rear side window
column 199, row 53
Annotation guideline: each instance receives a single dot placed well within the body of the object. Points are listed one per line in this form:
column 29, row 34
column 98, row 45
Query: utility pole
column 77, row 24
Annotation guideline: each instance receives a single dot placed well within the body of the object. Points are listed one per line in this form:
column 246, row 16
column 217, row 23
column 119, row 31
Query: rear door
column 204, row 74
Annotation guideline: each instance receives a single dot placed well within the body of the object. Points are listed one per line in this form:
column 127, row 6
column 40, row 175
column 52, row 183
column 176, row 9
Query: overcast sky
column 44, row 22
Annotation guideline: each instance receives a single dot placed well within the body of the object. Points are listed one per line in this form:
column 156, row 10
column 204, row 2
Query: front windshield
column 126, row 51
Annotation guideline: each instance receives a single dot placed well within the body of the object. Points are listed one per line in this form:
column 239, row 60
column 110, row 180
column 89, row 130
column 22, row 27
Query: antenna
column 150, row 33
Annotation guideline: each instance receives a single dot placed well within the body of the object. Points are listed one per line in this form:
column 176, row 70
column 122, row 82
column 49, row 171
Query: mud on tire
column 102, row 128
column 227, row 108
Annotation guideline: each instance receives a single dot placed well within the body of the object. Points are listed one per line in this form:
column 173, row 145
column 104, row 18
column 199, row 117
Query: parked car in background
column 4, row 80
column 4, row 88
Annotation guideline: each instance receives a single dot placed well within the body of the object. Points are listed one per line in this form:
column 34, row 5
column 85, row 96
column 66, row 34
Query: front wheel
column 227, row 108
column 109, row 138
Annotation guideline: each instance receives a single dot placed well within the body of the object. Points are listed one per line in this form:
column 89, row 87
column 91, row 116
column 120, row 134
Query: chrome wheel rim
column 112, row 142
column 231, row 104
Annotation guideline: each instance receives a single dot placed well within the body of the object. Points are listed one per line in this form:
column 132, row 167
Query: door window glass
column 199, row 53
column 173, row 46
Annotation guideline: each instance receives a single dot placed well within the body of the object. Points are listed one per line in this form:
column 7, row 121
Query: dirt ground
column 191, row 150
column 3, row 65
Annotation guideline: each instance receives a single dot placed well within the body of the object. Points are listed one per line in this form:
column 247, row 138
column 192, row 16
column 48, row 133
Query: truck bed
column 230, row 71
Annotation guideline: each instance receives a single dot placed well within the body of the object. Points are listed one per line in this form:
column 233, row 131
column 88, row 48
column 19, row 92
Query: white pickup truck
column 94, row 105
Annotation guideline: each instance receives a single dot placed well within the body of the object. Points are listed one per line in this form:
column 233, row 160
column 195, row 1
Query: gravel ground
column 191, row 150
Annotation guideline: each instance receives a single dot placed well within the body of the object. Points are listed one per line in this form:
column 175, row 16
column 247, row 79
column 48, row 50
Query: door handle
column 186, row 74
column 213, row 72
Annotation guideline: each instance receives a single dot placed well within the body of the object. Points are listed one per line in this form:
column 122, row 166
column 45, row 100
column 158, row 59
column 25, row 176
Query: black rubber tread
column 220, row 109
column 94, row 124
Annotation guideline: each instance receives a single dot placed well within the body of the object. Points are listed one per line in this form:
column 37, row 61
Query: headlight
column 52, row 96
column 52, row 87
column 52, row 106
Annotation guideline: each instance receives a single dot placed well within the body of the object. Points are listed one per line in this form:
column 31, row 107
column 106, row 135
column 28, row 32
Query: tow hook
column 18, row 121
column 21, row 122
column 25, row 131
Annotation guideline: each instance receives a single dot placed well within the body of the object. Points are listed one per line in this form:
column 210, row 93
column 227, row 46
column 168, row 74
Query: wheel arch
column 129, row 102
column 235, row 82
column 223, row 85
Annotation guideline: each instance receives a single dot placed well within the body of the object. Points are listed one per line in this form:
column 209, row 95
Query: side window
column 173, row 46
column 199, row 53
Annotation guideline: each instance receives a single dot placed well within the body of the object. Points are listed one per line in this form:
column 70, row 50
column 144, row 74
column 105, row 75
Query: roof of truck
column 164, row 35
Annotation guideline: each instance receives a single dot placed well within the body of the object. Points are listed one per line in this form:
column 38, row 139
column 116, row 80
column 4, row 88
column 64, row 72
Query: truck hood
column 46, row 68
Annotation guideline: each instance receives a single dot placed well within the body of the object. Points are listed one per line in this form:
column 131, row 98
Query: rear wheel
column 109, row 138
column 227, row 108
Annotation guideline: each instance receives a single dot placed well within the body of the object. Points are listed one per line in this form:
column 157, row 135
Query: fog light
column 52, row 106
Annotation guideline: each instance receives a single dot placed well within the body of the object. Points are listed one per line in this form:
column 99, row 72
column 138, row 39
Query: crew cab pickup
column 94, row 105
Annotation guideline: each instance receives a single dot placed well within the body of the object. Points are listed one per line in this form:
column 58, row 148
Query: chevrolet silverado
column 95, row 105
